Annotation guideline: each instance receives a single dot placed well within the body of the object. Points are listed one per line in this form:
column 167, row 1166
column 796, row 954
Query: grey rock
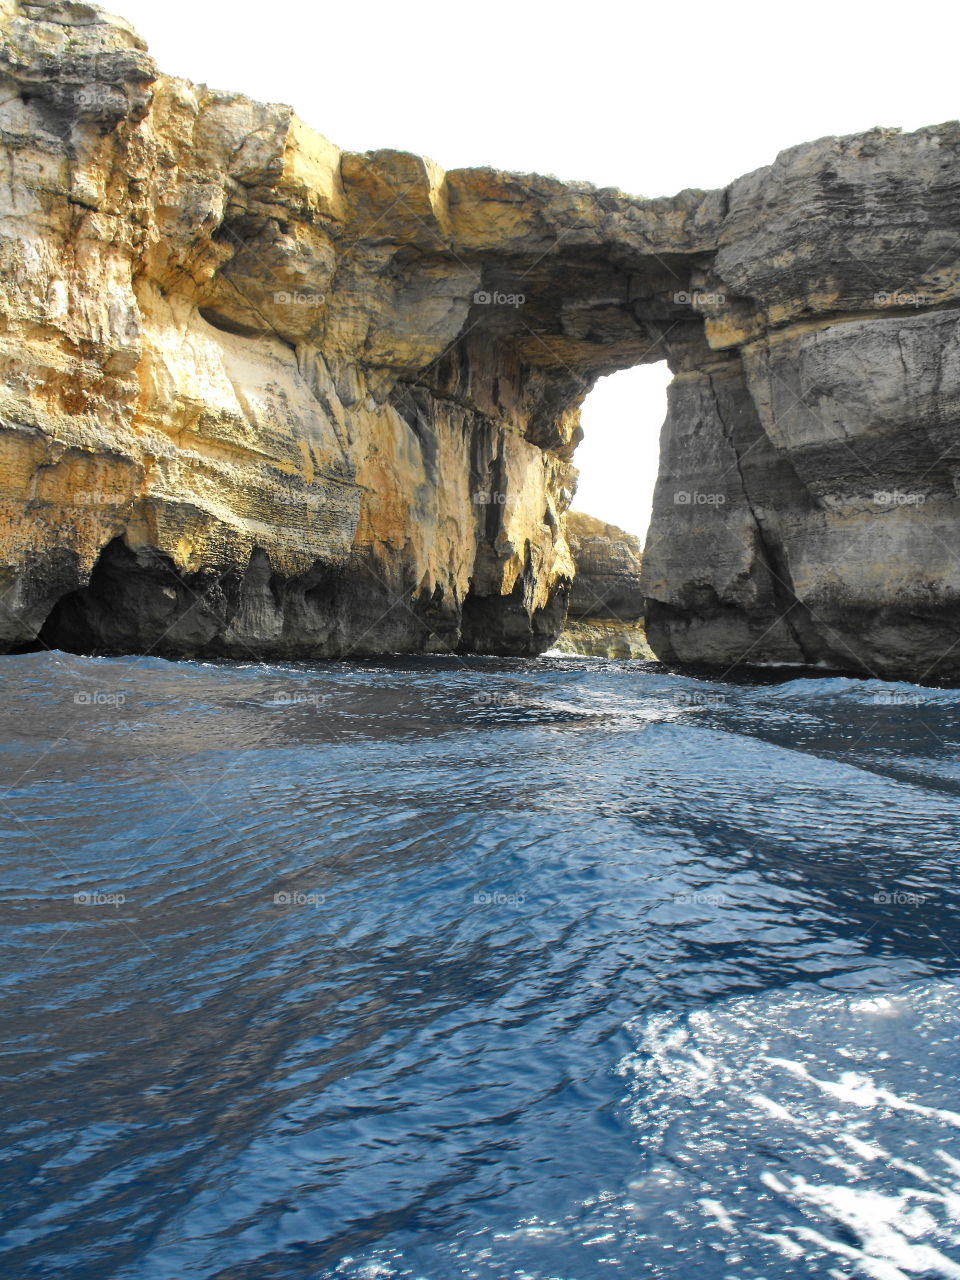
column 608, row 561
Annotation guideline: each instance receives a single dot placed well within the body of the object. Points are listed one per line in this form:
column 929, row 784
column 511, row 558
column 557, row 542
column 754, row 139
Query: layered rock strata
column 605, row 609
column 259, row 396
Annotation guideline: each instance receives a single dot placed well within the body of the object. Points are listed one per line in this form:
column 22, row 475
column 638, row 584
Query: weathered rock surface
column 608, row 562
column 261, row 396
column 807, row 504
column 605, row 612
column 604, row 638
column 248, row 403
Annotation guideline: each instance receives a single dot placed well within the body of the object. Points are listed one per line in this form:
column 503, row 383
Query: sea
column 441, row 968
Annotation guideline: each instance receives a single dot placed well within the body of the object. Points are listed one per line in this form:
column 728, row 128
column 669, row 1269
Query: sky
column 648, row 98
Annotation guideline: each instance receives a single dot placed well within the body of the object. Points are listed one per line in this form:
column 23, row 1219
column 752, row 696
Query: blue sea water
column 552, row 969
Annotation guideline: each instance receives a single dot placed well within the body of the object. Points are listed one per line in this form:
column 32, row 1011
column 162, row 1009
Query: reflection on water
column 441, row 968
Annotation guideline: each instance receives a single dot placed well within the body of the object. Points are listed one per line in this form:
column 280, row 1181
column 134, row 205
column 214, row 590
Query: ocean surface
column 552, row 969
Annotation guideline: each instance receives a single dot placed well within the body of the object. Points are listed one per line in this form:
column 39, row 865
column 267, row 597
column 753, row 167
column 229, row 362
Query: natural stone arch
column 234, row 355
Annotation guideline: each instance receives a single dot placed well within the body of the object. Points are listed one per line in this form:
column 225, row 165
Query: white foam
column 724, row 1087
column 889, row 1227
column 875, row 1268
column 865, row 1150
column 761, row 1101
column 860, row 1091
column 789, row 1248
column 879, row 1006
column 716, row 1209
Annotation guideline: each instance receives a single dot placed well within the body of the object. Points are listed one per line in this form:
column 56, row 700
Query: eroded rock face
column 248, row 402
column 608, row 564
column 605, row 612
column 258, row 396
column 807, row 506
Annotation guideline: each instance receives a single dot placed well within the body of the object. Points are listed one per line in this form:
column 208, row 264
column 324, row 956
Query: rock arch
column 349, row 385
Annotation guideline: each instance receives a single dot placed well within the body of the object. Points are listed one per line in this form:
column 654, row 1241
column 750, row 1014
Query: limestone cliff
column 261, row 396
column 605, row 610
column 807, row 504
column 251, row 397
column 608, row 564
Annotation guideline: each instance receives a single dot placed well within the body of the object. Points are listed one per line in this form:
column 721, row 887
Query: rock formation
column 261, row 396
column 608, row 561
column 605, row 609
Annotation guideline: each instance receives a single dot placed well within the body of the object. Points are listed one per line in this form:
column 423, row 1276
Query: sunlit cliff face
column 263, row 396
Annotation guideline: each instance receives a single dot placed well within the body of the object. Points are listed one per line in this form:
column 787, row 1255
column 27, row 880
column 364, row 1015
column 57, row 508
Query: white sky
column 647, row 98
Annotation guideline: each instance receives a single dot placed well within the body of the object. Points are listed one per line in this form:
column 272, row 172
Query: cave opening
column 619, row 455
column 618, row 461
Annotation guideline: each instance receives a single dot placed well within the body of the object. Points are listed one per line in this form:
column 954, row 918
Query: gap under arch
column 619, row 455
column 618, row 460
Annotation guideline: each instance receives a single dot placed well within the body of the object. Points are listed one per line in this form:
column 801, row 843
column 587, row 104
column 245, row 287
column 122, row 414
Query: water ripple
column 476, row 968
